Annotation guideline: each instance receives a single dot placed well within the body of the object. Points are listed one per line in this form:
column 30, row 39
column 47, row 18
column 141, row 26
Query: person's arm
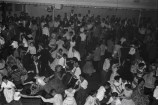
column 30, row 82
column 110, row 100
column 50, row 100
column 26, row 96
column 1, row 89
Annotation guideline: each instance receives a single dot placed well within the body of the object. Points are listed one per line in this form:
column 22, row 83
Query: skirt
column 69, row 101
column 9, row 95
column 128, row 102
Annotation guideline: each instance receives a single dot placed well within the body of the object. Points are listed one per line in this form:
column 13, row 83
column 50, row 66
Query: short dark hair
column 106, row 84
column 53, row 90
column 128, row 86
column 5, row 77
column 117, row 77
column 114, row 94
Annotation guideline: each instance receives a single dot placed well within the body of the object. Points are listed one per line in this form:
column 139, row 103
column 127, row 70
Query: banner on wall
column 58, row 6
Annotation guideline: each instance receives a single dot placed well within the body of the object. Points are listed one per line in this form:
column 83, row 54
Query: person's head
column 106, row 85
column 64, row 55
column 31, row 44
column 141, row 65
column 117, row 78
column 5, row 79
column 76, row 63
column 128, row 87
column 93, row 93
column 114, row 95
column 60, row 51
column 70, row 88
column 58, row 68
column 53, row 92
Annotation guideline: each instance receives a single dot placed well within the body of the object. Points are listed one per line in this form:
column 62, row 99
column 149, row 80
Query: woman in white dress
column 91, row 99
column 9, row 89
column 70, row 100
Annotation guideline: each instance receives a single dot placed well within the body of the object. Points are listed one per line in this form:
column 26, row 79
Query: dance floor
column 93, row 84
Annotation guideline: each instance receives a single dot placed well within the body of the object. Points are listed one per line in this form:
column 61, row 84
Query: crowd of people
column 51, row 59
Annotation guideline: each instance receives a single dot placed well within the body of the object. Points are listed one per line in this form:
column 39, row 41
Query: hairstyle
column 141, row 64
column 53, row 90
column 117, row 77
column 92, row 92
column 129, row 86
column 114, row 94
column 106, row 84
column 5, row 78
column 57, row 66
column 64, row 55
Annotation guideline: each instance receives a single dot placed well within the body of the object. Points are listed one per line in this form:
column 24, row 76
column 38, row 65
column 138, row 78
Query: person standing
column 44, row 59
column 97, row 58
column 55, row 100
column 70, row 100
column 8, row 88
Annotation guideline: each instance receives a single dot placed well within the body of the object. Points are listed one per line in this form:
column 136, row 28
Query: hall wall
column 39, row 10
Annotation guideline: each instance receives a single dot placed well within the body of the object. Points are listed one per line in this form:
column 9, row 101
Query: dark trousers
column 44, row 68
column 155, row 102
column 96, row 66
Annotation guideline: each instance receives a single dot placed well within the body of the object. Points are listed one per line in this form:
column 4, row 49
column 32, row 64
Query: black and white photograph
column 78, row 52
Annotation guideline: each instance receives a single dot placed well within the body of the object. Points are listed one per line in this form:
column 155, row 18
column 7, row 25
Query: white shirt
column 101, row 92
column 60, row 43
column 62, row 62
column 77, row 72
column 2, row 41
column 156, row 93
column 77, row 55
column 45, row 31
column 106, row 64
column 90, row 101
column 114, row 102
column 117, row 86
column 31, row 49
column 56, row 24
column 56, row 100
column 8, row 85
column 25, row 42
column 84, row 84
column 15, row 44
column 132, row 51
column 83, row 36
